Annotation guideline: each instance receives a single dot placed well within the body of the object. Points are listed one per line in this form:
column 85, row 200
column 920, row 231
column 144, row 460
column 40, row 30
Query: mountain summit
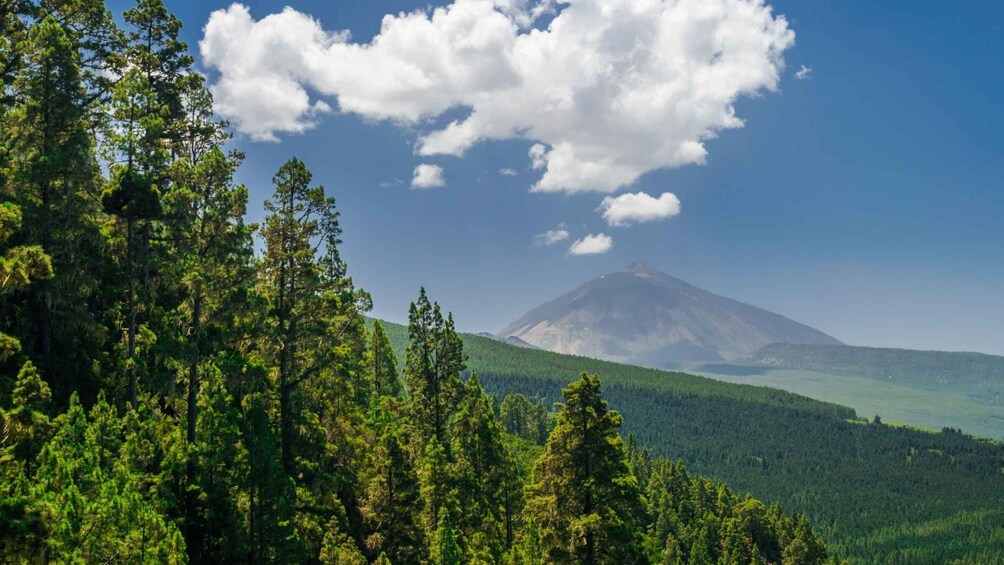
column 643, row 316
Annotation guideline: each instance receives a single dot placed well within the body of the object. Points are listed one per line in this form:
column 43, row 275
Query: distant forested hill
column 878, row 493
column 929, row 368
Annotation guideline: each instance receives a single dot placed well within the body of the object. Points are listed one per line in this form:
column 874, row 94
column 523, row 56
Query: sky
column 836, row 162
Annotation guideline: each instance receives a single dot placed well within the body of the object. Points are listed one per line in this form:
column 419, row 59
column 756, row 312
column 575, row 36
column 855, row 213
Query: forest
column 931, row 369
column 876, row 493
column 179, row 385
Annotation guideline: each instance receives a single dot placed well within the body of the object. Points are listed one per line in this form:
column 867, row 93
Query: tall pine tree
column 583, row 495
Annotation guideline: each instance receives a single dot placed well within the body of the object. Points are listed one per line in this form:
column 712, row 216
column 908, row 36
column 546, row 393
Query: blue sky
column 865, row 201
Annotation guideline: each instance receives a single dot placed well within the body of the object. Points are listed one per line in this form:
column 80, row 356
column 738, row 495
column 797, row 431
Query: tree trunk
column 193, row 365
column 131, row 307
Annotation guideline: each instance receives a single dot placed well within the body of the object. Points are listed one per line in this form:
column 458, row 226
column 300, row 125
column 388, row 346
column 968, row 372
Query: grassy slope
column 877, row 493
column 904, row 366
column 894, row 401
column 926, row 388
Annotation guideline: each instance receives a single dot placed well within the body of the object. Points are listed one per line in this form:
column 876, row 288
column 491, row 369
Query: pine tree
column 584, row 496
column 213, row 528
column 52, row 175
column 147, row 124
column 211, row 255
column 24, row 429
column 338, row 549
column 271, row 495
column 19, row 267
column 530, row 550
column 92, row 497
column 386, row 381
column 26, row 426
column 315, row 341
column 436, row 484
column 157, row 54
column 445, row 550
column 311, row 299
column 521, row 417
column 482, row 464
column 391, row 504
column 434, row 360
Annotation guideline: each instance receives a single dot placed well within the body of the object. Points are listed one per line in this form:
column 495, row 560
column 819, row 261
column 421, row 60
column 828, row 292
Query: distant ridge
column 643, row 316
column 510, row 339
column 917, row 367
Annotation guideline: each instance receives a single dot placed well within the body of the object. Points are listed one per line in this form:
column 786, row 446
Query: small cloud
column 390, row 183
column 592, row 245
column 508, row 172
column 538, row 156
column 638, row 208
column 804, row 73
column 550, row 237
column 427, row 176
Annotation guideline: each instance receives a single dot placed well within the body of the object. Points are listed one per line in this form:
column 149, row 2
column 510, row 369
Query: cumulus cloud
column 592, row 244
column 427, row 176
column 804, row 73
column 550, row 237
column 638, row 208
column 508, row 172
column 538, row 156
column 609, row 90
column 525, row 12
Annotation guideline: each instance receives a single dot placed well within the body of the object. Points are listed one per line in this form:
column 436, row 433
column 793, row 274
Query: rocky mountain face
column 642, row 316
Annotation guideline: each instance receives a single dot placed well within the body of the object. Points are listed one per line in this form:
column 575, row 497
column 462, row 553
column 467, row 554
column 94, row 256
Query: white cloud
column 550, row 237
column 804, row 73
column 592, row 245
column 538, row 156
column 508, row 172
column 390, row 183
column 427, row 176
column 611, row 88
column 638, row 208
column 525, row 12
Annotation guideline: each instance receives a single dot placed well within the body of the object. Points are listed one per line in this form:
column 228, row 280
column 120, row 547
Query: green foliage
column 695, row 519
column 583, row 495
column 131, row 195
column 445, row 550
column 392, row 505
column 338, row 549
column 434, row 360
column 271, row 494
column 933, row 368
column 19, row 267
column 214, row 528
column 852, row 481
column 527, row 420
column 94, row 501
column 935, row 389
column 386, row 380
column 26, row 426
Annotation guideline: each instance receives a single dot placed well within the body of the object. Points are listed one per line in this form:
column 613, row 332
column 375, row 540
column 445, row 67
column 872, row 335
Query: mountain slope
column 934, row 389
column 880, row 494
column 905, row 366
column 642, row 316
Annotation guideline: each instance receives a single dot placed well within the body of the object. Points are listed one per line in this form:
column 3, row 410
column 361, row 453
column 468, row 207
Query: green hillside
column 934, row 389
column 895, row 402
column 933, row 369
column 878, row 493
